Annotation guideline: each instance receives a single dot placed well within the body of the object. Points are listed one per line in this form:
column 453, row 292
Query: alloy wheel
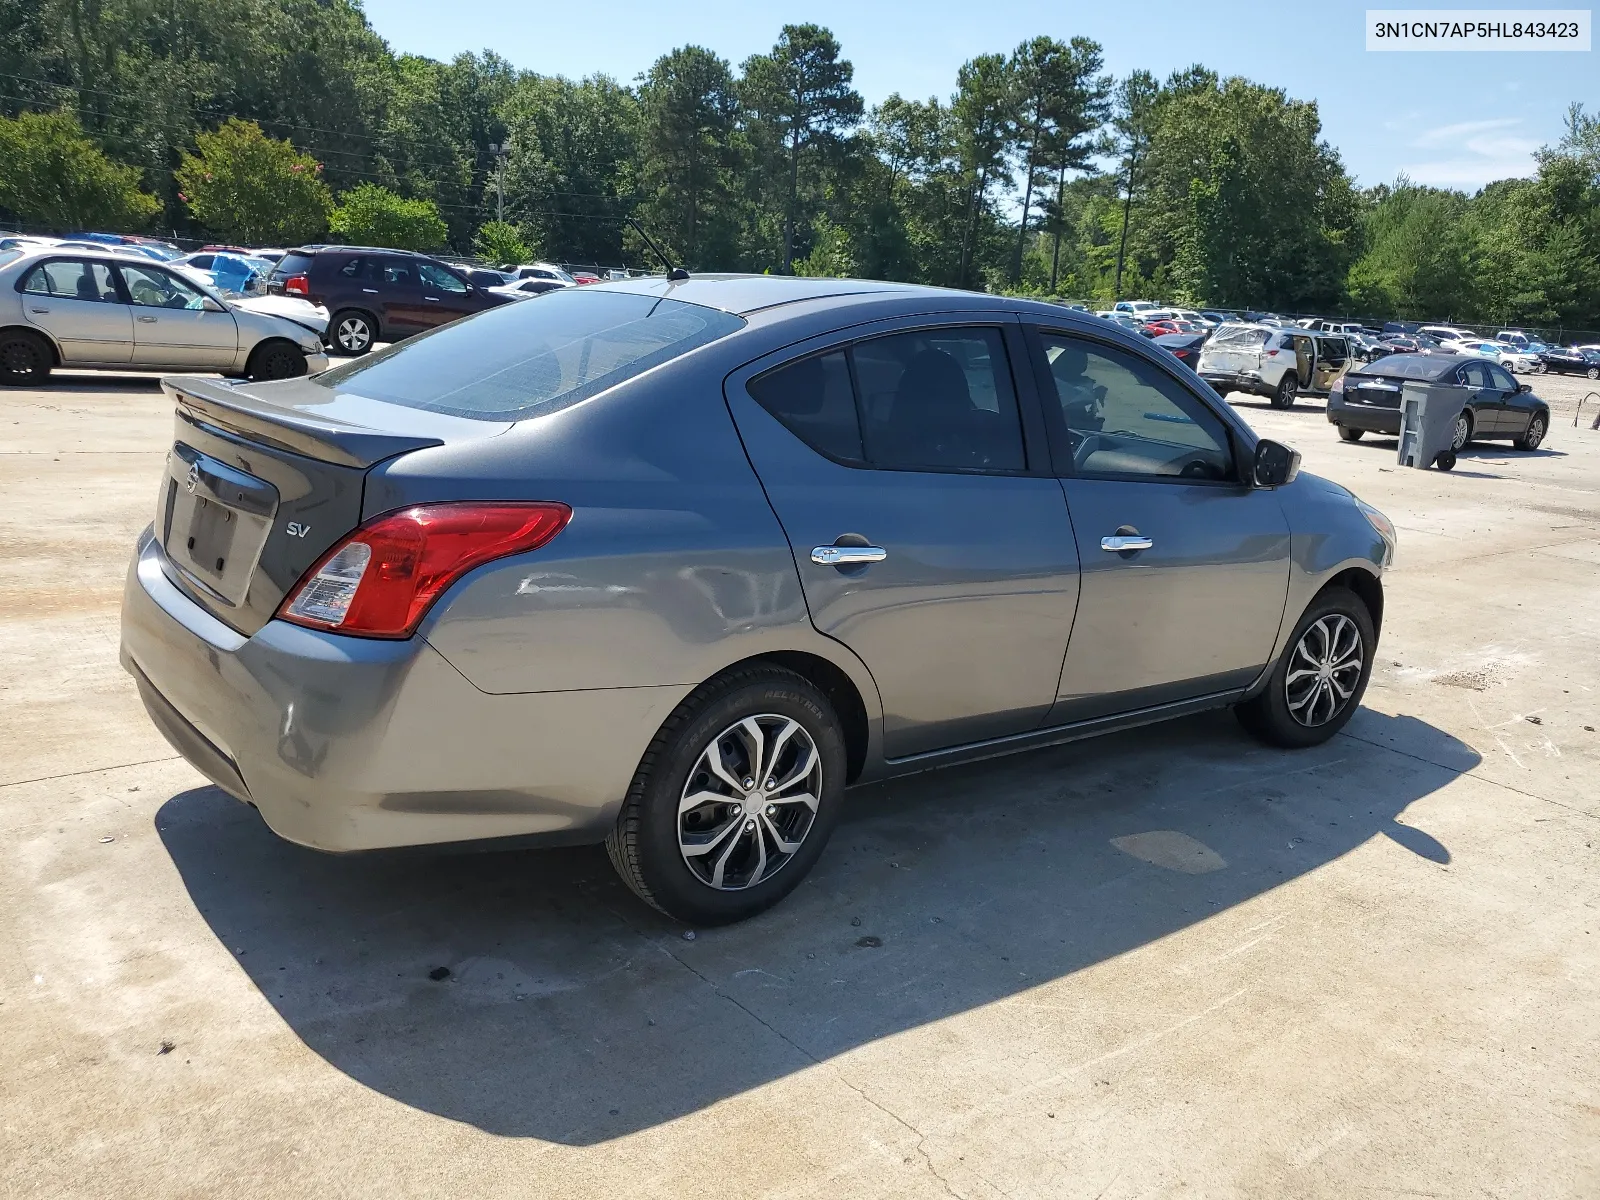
column 1535, row 434
column 1463, row 429
column 354, row 335
column 1324, row 670
column 749, row 802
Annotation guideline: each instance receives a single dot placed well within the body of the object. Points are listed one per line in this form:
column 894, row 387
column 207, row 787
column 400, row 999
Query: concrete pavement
column 1169, row 962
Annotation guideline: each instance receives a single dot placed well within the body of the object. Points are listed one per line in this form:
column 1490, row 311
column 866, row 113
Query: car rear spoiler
column 218, row 403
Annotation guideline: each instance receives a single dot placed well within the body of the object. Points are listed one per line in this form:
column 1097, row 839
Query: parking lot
column 1169, row 962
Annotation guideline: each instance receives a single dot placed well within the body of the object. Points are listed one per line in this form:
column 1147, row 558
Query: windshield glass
column 528, row 359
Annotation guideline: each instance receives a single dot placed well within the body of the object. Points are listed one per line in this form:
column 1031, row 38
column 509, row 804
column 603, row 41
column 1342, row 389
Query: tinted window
column 292, row 263
column 150, row 288
column 397, row 272
column 525, row 359
column 357, row 268
column 814, row 401
column 939, row 400
column 73, row 281
column 1502, row 378
column 1124, row 416
column 435, row 276
column 1477, row 374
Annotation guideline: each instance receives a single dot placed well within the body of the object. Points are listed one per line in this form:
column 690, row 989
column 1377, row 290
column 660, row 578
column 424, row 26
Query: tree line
column 272, row 121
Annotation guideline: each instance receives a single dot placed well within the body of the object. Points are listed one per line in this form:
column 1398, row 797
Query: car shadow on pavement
column 59, row 382
column 574, row 1014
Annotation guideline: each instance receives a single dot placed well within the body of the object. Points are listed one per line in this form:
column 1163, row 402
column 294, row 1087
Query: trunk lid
column 262, row 479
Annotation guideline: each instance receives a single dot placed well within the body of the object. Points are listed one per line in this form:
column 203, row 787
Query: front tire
column 1346, row 434
column 1533, row 436
column 25, row 359
column 1593, row 372
column 275, row 360
column 351, row 332
column 735, row 798
column 1318, row 681
column 1288, row 387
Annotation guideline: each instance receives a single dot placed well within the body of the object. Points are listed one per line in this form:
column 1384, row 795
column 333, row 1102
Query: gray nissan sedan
column 671, row 564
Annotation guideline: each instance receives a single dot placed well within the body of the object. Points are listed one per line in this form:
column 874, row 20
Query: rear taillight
column 297, row 285
column 381, row 580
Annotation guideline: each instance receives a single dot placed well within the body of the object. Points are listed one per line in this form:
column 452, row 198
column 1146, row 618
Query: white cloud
column 1478, row 152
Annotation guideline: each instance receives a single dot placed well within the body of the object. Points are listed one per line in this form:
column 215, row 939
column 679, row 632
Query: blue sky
column 1454, row 120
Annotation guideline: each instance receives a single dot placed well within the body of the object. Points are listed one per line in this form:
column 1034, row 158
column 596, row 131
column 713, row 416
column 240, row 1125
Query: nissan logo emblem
column 194, row 477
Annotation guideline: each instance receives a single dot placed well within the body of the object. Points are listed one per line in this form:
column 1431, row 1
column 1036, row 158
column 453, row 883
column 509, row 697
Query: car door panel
column 964, row 622
column 1197, row 609
column 86, row 330
column 170, row 329
column 445, row 298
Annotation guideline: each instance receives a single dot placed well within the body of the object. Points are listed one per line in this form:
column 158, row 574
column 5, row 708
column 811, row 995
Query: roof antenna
column 674, row 274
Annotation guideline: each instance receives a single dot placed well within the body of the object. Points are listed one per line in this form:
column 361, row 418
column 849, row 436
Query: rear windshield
column 534, row 356
column 1408, row 366
column 292, row 264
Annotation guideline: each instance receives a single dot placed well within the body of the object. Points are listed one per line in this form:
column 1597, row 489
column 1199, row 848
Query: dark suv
column 376, row 295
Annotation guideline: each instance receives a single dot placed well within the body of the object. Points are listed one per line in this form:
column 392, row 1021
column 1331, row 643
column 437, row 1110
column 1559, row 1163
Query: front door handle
column 370, row 291
column 39, row 310
column 847, row 556
column 431, row 299
column 148, row 320
column 1121, row 543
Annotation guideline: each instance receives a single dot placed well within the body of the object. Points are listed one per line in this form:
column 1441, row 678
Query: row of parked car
column 88, row 301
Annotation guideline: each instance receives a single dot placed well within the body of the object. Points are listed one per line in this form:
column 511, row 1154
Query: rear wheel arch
column 834, row 683
column 38, row 335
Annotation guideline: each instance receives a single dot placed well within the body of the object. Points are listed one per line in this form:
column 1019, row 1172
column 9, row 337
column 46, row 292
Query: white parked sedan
column 89, row 308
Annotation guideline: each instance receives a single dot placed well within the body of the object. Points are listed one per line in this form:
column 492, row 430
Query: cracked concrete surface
column 1167, row 962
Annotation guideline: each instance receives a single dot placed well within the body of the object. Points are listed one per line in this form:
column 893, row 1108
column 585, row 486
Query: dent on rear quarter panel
column 672, row 567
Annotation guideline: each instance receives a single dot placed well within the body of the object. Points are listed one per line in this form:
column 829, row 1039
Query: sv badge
column 297, row 530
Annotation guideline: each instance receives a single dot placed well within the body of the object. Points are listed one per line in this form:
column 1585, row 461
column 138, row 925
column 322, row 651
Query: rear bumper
column 1366, row 417
column 1235, row 381
column 354, row 744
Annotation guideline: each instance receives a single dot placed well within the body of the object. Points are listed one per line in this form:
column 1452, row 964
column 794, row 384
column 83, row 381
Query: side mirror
column 210, row 305
column 1275, row 464
column 1526, row 387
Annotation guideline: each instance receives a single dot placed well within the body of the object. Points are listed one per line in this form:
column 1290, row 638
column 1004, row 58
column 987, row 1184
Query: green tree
column 1061, row 98
column 831, row 256
column 246, row 187
column 1133, row 125
column 983, row 116
column 56, row 177
column 499, row 242
column 688, row 152
column 802, row 105
column 369, row 215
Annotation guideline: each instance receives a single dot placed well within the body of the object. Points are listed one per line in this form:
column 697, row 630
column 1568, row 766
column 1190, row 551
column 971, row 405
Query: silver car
column 669, row 565
column 96, row 308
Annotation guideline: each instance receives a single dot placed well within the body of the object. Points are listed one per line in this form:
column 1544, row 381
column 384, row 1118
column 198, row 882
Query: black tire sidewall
column 340, row 318
column 1283, row 395
column 1528, row 441
column 41, row 354
column 672, row 886
column 265, row 356
column 1347, row 434
column 1268, row 716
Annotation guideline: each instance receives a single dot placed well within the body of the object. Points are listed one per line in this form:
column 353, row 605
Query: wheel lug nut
column 771, row 783
column 771, row 809
column 749, row 825
column 748, row 784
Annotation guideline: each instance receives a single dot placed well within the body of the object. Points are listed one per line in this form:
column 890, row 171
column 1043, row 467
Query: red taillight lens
column 297, row 285
column 381, row 580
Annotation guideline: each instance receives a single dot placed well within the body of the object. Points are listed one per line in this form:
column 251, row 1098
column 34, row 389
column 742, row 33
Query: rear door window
column 939, row 399
column 396, row 272
column 1477, row 374
column 814, row 401
column 533, row 357
column 72, row 279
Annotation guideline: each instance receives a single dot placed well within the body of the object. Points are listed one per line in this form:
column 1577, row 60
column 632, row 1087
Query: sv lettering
column 297, row 530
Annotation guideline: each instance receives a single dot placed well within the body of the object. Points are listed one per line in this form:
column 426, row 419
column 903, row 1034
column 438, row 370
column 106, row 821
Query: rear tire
column 1463, row 432
column 25, row 359
column 275, row 360
column 1346, row 434
column 1593, row 372
column 351, row 332
column 658, row 835
column 1533, row 435
column 1288, row 387
column 1309, row 709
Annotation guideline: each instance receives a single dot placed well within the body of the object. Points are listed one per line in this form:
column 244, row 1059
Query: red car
column 585, row 276
column 1157, row 328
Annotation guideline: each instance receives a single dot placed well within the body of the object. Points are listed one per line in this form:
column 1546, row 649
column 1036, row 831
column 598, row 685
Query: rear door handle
column 847, row 556
column 370, row 291
column 1121, row 543
column 39, row 310
column 148, row 320
column 431, row 299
